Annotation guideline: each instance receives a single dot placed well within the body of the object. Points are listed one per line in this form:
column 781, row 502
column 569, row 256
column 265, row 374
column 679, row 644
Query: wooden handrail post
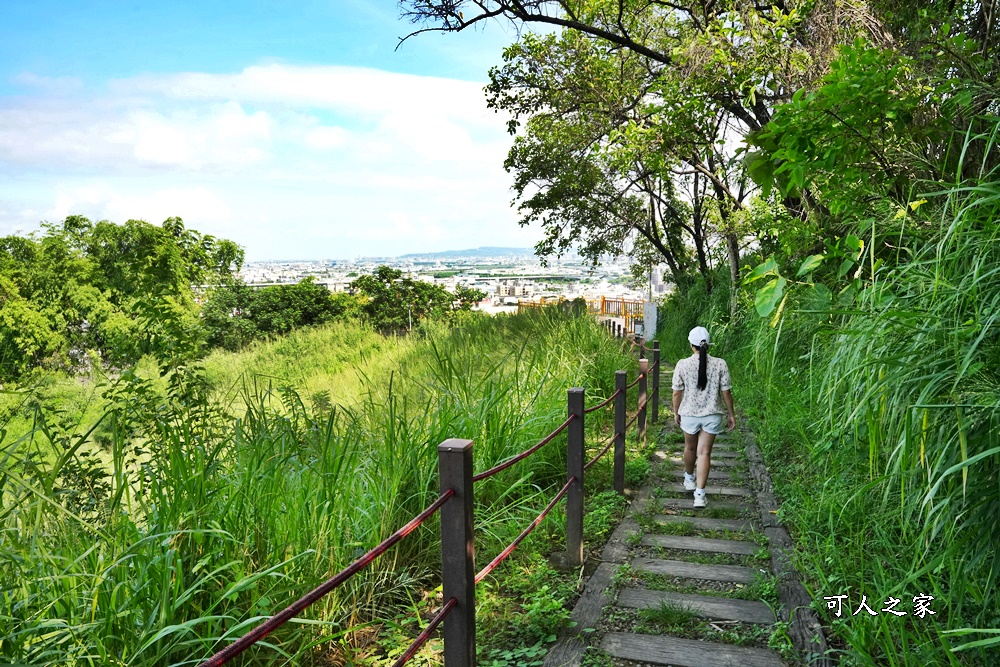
column 644, row 370
column 656, row 382
column 621, row 385
column 575, row 452
column 641, row 347
column 458, row 567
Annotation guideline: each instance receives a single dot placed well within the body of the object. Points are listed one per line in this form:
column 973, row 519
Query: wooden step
column 706, row 544
column 706, row 606
column 720, row 445
column 664, row 650
column 586, row 614
column 716, row 454
column 712, row 474
column 704, row 523
column 725, row 454
column 721, row 461
column 710, row 490
column 685, row 504
column 680, row 568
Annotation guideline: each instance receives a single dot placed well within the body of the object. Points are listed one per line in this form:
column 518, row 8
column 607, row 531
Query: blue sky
column 298, row 130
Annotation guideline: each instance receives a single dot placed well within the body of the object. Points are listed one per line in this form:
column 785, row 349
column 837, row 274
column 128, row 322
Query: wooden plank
column 702, row 523
column 639, row 502
column 710, row 490
column 728, row 445
column 723, row 461
column 568, row 651
column 712, row 474
column 725, row 453
column 706, row 606
column 676, row 437
column 616, row 550
column 587, row 611
column 685, row 504
column 680, row 652
column 679, row 456
column 700, row 544
column 681, row 568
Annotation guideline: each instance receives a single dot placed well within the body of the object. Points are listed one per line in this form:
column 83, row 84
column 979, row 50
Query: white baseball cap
column 698, row 336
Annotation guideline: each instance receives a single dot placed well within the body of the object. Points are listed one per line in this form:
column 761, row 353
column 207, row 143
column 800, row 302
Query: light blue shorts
column 711, row 423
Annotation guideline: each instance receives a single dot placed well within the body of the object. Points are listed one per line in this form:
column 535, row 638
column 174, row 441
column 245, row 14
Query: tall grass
column 207, row 520
column 327, row 361
column 880, row 425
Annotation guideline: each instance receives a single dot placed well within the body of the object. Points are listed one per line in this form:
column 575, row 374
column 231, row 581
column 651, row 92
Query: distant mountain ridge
column 485, row 251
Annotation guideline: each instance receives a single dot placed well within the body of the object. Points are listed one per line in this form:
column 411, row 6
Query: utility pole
column 650, row 279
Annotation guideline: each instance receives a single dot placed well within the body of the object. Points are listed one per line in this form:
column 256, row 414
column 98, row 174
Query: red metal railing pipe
column 525, row 454
column 425, row 634
column 524, row 533
column 631, row 421
column 604, row 451
column 604, row 403
column 276, row 621
column 636, row 381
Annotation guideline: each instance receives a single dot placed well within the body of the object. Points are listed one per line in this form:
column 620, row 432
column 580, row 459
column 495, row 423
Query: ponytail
column 703, row 366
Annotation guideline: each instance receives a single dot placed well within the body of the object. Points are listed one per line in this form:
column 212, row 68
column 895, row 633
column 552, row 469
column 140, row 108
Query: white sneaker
column 689, row 484
column 699, row 499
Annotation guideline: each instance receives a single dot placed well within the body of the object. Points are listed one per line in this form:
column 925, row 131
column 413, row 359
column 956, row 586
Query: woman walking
column 702, row 397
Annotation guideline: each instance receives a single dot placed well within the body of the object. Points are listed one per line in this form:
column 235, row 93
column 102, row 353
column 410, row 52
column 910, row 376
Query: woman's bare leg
column 704, row 442
column 690, row 451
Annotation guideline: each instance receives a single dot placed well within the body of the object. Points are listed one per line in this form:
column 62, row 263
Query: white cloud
column 222, row 135
column 107, row 202
column 350, row 90
column 289, row 161
column 326, row 138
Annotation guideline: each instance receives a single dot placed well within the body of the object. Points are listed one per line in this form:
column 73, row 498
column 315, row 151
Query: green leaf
column 988, row 641
column 818, row 298
column 761, row 170
column 811, row 263
column 761, row 270
column 769, row 295
column 845, row 266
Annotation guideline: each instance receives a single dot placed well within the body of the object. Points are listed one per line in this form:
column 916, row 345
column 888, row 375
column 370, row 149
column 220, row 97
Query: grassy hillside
column 331, row 361
column 324, row 365
column 208, row 511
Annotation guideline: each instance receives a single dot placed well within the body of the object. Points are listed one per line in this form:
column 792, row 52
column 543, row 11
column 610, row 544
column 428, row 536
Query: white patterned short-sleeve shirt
column 701, row 402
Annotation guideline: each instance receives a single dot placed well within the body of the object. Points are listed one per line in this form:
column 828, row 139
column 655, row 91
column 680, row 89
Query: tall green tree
column 660, row 91
column 80, row 286
column 392, row 302
column 236, row 314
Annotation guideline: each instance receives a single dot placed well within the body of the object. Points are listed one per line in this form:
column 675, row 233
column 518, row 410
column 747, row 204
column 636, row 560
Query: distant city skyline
column 295, row 131
column 504, row 274
column 440, row 254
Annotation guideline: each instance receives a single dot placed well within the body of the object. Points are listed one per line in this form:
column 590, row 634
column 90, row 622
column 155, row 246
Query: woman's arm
column 678, row 393
column 727, row 396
